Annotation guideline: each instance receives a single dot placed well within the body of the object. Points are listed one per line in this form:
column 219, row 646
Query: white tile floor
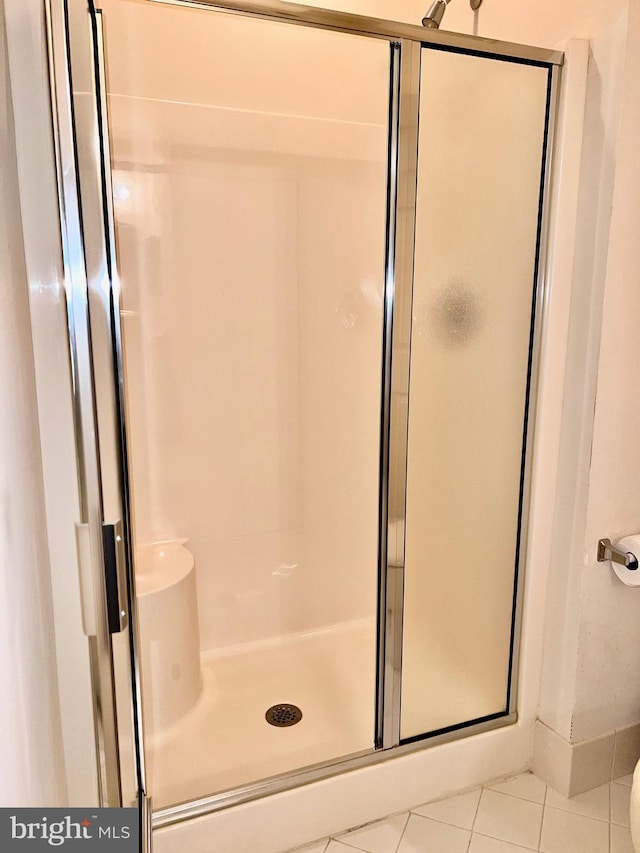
column 513, row 816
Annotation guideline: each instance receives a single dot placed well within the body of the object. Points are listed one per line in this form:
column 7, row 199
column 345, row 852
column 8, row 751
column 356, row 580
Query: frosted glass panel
column 250, row 165
column 480, row 157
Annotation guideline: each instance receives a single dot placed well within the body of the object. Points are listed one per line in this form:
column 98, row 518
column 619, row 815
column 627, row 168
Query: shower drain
column 283, row 715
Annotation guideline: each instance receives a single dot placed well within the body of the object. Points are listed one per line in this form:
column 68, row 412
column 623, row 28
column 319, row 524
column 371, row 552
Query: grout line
column 544, row 810
column 395, row 850
column 436, row 820
column 475, row 816
column 473, row 822
column 613, row 756
column 472, row 831
column 402, row 833
column 517, row 796
column 345, row 843
column 611, row 797
column 502, row 841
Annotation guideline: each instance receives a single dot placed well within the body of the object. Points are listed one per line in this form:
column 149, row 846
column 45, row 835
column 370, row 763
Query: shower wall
column 250, row 216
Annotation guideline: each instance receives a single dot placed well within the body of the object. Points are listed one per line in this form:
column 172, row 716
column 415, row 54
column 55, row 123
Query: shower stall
column 304, row 253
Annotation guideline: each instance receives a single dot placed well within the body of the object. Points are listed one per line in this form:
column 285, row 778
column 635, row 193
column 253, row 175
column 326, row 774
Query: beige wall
column 591, row 677
column 30, row 93
column 30, row 737
column 608, row 685
column 589, row 251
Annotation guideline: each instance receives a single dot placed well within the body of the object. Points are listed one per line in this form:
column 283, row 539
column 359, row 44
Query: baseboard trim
column 573, row 768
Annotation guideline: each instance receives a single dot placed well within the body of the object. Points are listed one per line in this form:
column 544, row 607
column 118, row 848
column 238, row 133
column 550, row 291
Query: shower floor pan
column 225, row 741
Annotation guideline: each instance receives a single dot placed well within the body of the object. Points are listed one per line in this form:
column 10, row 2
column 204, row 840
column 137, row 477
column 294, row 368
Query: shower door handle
column 115, row 576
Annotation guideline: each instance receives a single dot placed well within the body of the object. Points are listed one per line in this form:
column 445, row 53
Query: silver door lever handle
column 607, row 551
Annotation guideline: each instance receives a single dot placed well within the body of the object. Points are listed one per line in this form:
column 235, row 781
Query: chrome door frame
column 74, row 32
column 75, row 279
column 403, row 177
column 406, row 43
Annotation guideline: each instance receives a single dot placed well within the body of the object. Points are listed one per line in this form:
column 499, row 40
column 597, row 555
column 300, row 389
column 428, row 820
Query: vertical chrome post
column 389, row 303
column 83, row 163
column 398, row 303
column 83, row 390
column 146, row 824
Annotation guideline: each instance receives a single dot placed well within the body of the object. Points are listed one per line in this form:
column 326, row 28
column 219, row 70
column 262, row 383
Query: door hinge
column 115, row 578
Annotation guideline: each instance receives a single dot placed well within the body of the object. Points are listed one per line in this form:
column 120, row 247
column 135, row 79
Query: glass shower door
column 249, row 185
column 481, row 156
column 311, row 266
